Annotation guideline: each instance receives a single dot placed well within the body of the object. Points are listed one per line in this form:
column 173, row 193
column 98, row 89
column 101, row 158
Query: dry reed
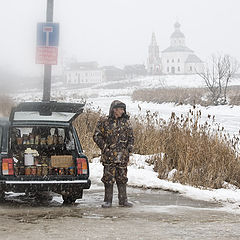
column 192, row 96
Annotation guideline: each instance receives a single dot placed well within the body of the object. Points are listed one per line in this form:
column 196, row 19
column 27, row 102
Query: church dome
column 177, row 33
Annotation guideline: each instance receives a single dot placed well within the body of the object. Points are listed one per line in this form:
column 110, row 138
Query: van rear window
column 55, row 137
column 35, row 116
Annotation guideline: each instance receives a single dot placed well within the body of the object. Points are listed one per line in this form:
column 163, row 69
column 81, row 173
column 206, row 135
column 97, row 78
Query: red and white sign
column 47, row 55
column 47, row 43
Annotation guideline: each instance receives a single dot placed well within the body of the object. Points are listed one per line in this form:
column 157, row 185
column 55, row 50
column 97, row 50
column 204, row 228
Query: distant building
column 112, row 73
column 176, row 59
column 84, row 72
column 136, row 70
column 153, row 61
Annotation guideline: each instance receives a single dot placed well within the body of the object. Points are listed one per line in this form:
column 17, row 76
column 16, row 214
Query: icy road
column 156, row 215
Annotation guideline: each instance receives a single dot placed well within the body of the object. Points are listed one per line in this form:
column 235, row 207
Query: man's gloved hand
column 119, row 157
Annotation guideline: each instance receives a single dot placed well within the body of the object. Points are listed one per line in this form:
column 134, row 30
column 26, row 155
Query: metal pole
column 48, row 68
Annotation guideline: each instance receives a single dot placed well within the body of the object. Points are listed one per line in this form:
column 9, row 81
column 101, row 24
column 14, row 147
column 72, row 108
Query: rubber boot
column 122, row 195
column 108, row 196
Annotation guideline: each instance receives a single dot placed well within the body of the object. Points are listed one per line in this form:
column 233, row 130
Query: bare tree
column 217, row 74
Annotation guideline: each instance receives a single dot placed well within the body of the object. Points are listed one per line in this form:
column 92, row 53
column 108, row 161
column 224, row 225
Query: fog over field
column 116, row 32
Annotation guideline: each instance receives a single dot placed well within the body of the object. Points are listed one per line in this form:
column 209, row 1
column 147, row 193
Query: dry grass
column 202, row 153
column 234, row 95
column 192, row 96
column 176, row 95
column 202, row 156
column 85, row 125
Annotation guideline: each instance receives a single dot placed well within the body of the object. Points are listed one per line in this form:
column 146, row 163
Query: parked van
column 40, row 151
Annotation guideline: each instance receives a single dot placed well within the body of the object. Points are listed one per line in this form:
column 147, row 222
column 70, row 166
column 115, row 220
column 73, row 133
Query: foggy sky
column 117, row 32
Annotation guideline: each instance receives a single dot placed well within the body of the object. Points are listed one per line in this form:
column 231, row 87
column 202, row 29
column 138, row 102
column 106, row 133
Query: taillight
column 7, row 166
column 81, row 166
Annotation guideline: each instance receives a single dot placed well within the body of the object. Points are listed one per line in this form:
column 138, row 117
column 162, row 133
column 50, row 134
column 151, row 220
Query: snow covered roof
column 177, row 49
column 192, row 58
column 83, row 66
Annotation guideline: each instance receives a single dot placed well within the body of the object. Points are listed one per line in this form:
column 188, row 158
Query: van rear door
column 42, row 112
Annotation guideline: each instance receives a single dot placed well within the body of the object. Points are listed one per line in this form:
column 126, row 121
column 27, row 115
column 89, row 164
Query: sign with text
column 47, row 43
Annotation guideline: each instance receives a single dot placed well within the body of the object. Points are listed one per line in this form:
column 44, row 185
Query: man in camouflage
column 114, row 136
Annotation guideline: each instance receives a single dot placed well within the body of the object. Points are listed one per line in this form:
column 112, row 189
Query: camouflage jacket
column 115, row 139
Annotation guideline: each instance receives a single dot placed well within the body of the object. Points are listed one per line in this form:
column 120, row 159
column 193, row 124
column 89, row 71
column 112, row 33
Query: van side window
column 70, row 142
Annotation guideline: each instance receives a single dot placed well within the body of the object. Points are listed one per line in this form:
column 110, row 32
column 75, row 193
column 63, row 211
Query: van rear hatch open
column 40, row 112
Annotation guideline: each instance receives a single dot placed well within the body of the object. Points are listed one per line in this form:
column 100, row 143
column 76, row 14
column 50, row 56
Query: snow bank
column 140, row 174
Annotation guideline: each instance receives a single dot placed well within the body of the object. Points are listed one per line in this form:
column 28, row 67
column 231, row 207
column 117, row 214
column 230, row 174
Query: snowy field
column 100, row 96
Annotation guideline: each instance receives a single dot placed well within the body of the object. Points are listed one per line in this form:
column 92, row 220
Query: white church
column 176, row 59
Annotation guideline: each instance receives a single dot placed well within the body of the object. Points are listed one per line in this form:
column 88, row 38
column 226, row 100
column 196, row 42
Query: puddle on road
column 24, row 209
column 147, row 203
column 35, row 217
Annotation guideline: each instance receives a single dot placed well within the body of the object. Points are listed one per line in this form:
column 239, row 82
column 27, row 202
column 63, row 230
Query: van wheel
column 71, row 197
column 68, row 199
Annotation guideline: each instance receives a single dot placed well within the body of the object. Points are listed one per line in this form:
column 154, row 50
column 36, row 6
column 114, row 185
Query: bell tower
column 153, row 62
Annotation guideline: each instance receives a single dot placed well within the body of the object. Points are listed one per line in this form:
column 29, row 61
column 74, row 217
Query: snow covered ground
column 101, row 95
column 121, row 87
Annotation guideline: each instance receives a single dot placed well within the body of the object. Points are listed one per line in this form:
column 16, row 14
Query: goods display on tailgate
column 34, row 164
column 64, row 161
column 41, row 151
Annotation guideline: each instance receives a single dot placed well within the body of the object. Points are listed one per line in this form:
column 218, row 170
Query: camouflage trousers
column 114, row 172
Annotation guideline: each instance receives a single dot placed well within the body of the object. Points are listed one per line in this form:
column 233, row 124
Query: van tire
column 68, row 199
column 71, row 198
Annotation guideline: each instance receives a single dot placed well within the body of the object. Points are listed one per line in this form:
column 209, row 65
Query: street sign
column 47, row 43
